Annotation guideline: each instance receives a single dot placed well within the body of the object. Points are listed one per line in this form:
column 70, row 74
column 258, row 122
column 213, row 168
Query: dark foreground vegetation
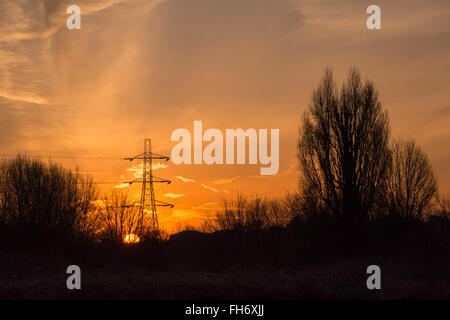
column 301, row 261
column 362, row 200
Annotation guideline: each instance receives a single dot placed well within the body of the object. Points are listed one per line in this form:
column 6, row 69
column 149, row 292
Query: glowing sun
column 131, row 238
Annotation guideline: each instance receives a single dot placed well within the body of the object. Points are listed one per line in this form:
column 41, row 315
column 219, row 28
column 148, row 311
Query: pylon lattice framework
column 148, row 192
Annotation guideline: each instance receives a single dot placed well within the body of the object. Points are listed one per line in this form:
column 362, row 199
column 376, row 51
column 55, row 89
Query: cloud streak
column 122, row 185
column 209, row 188
column 184, row 179
column 226, row 181
column 31, row 98
column 173, row 195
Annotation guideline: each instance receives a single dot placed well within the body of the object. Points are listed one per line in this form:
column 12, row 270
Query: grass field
column 24, row 277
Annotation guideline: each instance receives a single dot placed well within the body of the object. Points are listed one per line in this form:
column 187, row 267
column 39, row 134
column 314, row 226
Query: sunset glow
column 225, row 156
column 131, row 238
column 142, row 69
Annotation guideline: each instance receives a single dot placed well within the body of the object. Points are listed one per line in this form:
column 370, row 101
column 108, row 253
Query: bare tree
column 293, row 202
column 86, row 223
column 120, row 217
column 443, row 202
column 343, row 151
column 233, row 214
column 35, row 193
column 412, row 184
column 280, row 211
column 250, row 213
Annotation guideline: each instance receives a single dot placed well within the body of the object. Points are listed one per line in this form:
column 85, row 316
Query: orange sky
column 140, row 68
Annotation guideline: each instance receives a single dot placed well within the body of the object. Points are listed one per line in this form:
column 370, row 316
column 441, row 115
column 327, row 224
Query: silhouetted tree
column 250, row 213
column 34, row 193
column 412, row 184
column 279, row 212
column 443, row 205
column 343, row 151
column 235, row 214
column 120, row 217
column 293, row 202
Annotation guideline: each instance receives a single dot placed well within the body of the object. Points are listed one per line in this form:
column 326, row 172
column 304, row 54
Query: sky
column 143, row 68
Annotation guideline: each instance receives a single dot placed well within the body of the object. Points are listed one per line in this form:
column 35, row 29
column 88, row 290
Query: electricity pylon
column 148, row 193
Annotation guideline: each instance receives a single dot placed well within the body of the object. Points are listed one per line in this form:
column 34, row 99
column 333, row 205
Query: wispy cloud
column 43, row 19
column 30, row 98
column 139, row 171
column 209, row 188
column 206, row 206
column 173, row 195
column 122, row 185
column 225, row 181
column 155, row 166
column 184, row 179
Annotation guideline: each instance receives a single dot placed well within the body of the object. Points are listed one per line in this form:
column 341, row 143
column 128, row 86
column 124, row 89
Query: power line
column 102, row 180
column 64, row 157
column 147, row 194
